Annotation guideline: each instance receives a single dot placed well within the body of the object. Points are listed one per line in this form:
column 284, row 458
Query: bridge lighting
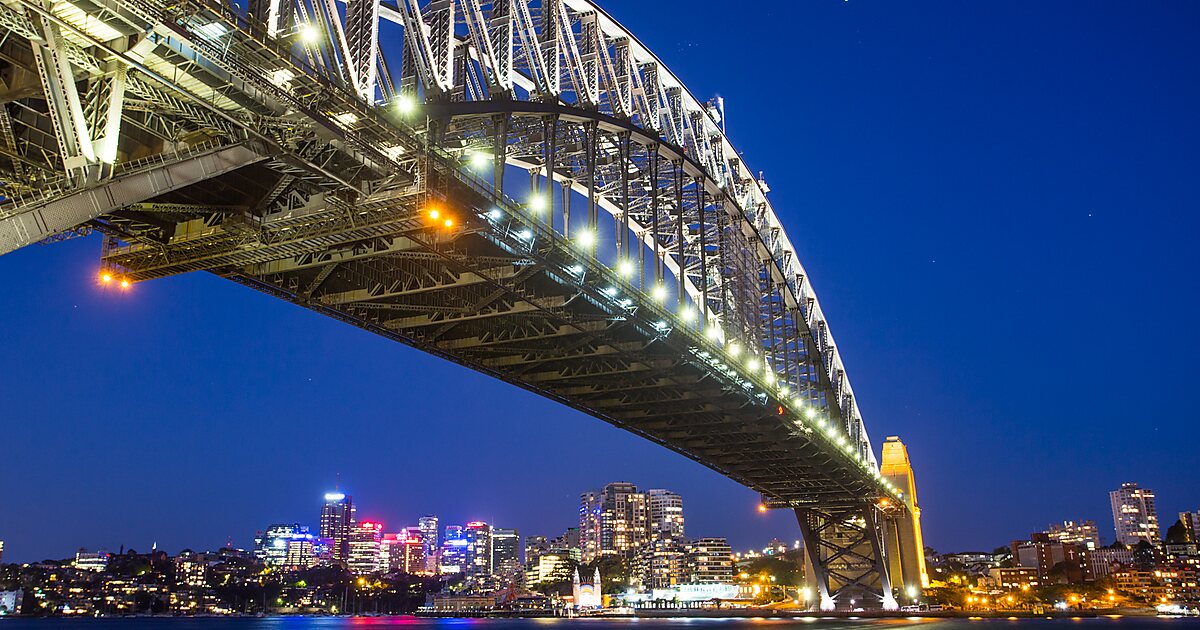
column 734, row 350
column 762, row 508
column 687, row 314
column 610, row 291
column 586, row 239
column 783, row 390
column 751, row 364
column 309, row 34
column 434, row 214
column 106, row 278
column 526, row 234
column 479, row 159
column 625, row 268
column 576, row 269
column 659, row 292
column 495, row 214
column 406, row 104
column 448, row 223
column 713, row 333
column 812, row 413
column 537, row 203
column 124, row 283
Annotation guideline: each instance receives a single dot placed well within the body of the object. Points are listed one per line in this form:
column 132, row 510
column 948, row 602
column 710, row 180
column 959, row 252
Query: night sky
column 997, row 203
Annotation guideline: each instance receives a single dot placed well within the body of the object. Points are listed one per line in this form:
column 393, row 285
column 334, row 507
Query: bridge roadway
column 273, row 148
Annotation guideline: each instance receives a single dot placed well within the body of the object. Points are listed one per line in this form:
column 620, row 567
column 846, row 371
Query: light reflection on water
column 694, row 623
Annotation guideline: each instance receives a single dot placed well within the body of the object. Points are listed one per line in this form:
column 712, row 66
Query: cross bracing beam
column 585, row 106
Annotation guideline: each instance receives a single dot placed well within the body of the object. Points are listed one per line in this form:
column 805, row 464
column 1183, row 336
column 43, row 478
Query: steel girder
column 333, row 218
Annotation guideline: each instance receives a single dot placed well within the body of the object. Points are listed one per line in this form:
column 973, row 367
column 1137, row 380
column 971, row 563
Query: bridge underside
column 195, row 142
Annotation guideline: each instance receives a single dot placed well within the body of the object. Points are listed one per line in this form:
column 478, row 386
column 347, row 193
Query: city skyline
column 1065, row 530
column 193, row 403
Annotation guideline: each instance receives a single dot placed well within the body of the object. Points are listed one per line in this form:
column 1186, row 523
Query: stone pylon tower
column 905, row 547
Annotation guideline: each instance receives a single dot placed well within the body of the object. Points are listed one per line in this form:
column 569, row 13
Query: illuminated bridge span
column 368, row 160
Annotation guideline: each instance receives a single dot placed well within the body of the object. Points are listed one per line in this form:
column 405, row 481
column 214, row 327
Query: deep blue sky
column 997, row 203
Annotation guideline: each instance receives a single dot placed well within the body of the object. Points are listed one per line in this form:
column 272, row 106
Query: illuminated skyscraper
column 506, row 559
column 1134, row 516
column 365, row 541
column 589, row 525
column 285, row 547
column 666, row 514
column 479, row 549
column 429, row 537
column 453, row 555
column 337, row 520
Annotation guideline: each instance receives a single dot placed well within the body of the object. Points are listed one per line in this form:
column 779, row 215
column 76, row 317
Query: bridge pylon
column 845, row 562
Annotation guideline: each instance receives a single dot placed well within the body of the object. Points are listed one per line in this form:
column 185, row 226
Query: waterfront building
column 709, row 561
column 1, row 551
column 285, row 547
column 506, row 556
column 429, row 535
column 587, row 596
column 1013, row 578
column 666, row 514
column 364, row 543
column 338, row 517
column 91, row 560
column 479, row 548
column 1082, row 533
column 659, row 564
column 1134, row 515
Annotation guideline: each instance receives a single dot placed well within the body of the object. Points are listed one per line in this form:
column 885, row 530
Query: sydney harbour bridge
column 517, row 186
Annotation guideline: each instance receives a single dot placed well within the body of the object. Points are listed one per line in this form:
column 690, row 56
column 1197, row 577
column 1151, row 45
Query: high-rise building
column 338, row 518
column 453, row 556
column 1134, row 516
column 479, row 548
column 506, row 557
column 1082, row 533
column 365, row 542
column 414, row 552
column 666, row 514
column 429, row 536
column 709, row 561
column 589, row 525
column 659, row 564
column 288, row 547
column 1190, row 520
column 1, row 551
column 405, row 551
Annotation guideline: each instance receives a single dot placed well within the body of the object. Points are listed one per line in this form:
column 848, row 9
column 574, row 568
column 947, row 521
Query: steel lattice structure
column 644, row 278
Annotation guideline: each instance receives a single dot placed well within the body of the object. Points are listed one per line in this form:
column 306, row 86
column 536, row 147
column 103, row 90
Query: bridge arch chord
column 580, row 100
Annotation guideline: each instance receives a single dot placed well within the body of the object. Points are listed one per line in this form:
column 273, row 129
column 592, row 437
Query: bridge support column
column 845, row 565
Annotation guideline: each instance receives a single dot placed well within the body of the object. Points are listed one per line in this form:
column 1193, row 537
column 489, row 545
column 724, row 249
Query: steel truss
column 268, row 145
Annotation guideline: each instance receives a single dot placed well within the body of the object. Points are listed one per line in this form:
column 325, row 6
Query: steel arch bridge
column 359, row 159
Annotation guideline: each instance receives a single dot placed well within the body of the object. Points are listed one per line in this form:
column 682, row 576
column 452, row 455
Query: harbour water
column 412, row 623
